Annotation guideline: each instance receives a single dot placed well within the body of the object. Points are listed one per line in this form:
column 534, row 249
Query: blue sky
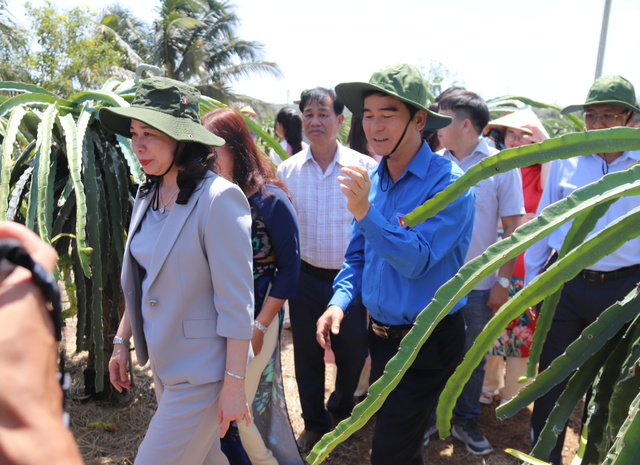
column 544, row 50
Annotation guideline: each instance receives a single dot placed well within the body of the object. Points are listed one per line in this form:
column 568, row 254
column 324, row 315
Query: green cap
column 401, row 81
column 608, row 90
column 171, row 107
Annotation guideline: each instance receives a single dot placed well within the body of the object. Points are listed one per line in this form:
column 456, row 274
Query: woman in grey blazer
column 186, row 276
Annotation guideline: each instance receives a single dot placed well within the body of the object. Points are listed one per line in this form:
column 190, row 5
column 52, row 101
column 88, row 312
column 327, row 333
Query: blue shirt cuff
column 371, row 225
column 341, row 300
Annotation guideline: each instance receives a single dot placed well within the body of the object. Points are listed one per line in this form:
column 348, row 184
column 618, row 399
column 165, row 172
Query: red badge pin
column 184, row 100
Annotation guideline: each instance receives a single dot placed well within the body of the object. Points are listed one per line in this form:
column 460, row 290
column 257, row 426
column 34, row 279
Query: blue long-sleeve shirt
column 281, row 222
column 397, row 269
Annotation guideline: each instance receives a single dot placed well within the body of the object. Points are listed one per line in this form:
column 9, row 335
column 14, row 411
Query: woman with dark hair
column 288, row 127
column 276, row 265
column 189, row 312
column 357, row 140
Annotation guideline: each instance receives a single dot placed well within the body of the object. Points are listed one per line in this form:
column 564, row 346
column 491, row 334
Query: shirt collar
column 626, row 155
column 419, row 164
column 341, row 156
column 633, row 154
column 482, row 150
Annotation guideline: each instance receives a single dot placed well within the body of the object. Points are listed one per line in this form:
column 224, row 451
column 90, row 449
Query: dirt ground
column 132, row 414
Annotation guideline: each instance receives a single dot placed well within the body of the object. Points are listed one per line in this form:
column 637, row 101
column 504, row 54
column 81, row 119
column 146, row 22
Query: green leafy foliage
column 78, row 197
column 548, row 114
column 73, row 183
column 13, row 44
column 70, row 55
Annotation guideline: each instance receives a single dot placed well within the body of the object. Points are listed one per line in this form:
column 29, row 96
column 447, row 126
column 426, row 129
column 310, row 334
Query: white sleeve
column 536, row 256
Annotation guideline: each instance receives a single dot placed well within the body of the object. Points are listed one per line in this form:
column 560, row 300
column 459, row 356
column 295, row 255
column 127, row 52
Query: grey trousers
column 184, row 430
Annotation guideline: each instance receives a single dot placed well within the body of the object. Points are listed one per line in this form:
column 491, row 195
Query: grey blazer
column 200, row 284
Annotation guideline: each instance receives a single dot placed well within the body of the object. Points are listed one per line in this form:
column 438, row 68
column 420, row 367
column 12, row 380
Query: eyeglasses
column 606, row 118
column 512, row 136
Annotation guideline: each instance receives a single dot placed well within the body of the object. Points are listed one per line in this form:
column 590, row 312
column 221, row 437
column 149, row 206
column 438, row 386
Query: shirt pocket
column 200, row 328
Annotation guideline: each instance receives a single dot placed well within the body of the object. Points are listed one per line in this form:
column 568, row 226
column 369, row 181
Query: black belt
column 322, row 273
column 399, row 331
column 599, row 276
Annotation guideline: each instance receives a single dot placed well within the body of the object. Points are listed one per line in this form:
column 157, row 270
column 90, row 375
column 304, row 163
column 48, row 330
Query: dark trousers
column 476, row 316
column 581, row 303
column 403, row 419
column 349, row 348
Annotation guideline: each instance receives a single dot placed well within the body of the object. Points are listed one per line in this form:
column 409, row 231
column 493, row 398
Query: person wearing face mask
column 611, row 102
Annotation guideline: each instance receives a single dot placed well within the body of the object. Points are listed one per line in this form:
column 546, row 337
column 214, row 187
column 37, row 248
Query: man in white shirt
column 325, row 227
column 498, row 198
column 611, row 102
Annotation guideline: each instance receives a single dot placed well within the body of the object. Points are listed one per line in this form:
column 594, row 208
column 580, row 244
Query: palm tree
column 12, row 46
column 129, row 34
column 195, row 41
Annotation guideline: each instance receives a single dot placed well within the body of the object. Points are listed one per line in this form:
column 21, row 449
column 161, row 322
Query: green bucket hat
column 401, row 81
column 169, row 106
column 608, row 90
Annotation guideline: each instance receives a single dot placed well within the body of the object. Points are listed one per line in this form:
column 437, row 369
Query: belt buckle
column 379, row 331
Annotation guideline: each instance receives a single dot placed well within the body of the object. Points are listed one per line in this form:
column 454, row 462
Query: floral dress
column 269, row 409
column 516, row 338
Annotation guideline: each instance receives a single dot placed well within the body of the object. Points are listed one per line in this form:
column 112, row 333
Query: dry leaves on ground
column 132, row 414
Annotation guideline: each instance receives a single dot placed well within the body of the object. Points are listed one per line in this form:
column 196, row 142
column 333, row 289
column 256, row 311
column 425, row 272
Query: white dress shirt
column 498, row 196
column 566, row 176
column 323, row 217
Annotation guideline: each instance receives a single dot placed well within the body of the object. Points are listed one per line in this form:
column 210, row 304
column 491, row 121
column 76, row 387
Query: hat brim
column 351, row 94
column 580, row 107
column 118, row 120
column 491, row 125
column 518, row 120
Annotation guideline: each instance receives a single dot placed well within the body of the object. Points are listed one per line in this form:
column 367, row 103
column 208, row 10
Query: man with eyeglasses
column 636, row 122
column 611, row 102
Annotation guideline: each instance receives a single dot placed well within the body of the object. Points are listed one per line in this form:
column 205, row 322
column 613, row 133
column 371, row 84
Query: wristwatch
column 119, row 340
column 504, row 282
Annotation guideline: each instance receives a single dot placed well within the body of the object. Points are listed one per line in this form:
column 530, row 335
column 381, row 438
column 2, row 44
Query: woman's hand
column 537, row 134
column 532, row 312
column 233, row 404
column 257, row 341
column 118, row 367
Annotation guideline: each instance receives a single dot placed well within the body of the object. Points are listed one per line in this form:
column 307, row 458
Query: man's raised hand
column 356, row 187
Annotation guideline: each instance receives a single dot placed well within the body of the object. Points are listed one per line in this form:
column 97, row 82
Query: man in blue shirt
column 394, row 268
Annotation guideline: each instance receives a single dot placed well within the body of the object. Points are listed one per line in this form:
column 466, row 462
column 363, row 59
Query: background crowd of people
column 222, row 236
